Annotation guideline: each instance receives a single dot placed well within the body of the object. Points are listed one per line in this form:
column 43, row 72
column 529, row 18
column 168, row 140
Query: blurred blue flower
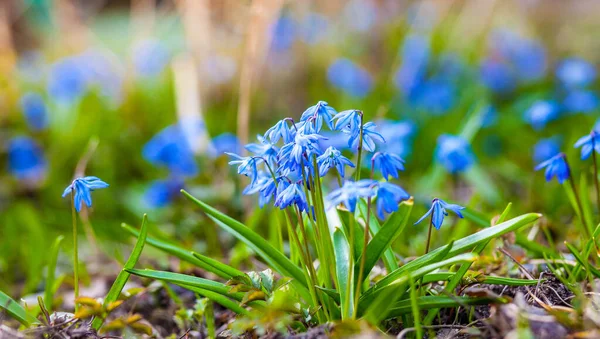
column 545, row 149
column 284, row 34
column 415, row 57
column 281, row 130
column 350, row 192
column 398, row 136
column 100, row 68
column 225, row 143
column 83, row 188
column 440, row 208
column 588, row 144
column 360, row 15
column 170, row 148
column 369, row 136
column 67, row 81
column 150, row 57
column 526, row 57
column 434, row 96
column 333, row 139
column 25, row 159
column 541, row 113
column 352, row 79
column 314, row 28
column 497, row 76
column 556, row 167
column 264, row 149
column 247, row 166
column 315, row 115
column 292, row 194
column 388, row 197
column 388, row 164
column 162, row 192
column 454, row 153
column 575, row 72
column 580, row 101
column 333, row 158
column 35, row 111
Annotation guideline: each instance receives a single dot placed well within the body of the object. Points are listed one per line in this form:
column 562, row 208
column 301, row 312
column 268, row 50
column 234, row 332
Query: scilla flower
column 439, row 210
column 247, row 166
column 388, row 197
column 26, row 160
column 333, row 158
column 171, row 149
column 454, row 153
column 369, row 136
column 588, row 144
column 35, row 111
column 348, row 121
column 82, row 188
column 556, row 166
column 292, row 194
column 350, row 78
column 541, row 113
column 292, row 155
column 545, row 149
column 264, row 149
column 281, row 130
column 575, row 72
column 319, row 113
column 388, row 164
column 161, row 192
column 351, row 192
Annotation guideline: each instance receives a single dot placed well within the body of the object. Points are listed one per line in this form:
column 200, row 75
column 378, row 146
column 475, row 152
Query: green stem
column 579, row 206
column 429, row 234
column 363, row 254
column 596, row 179
column 75, row 250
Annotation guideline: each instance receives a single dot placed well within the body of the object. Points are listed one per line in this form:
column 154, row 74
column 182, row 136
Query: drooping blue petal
column 555, row 167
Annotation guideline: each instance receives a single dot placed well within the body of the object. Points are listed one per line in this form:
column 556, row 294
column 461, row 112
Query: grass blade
column 389, row 259
column 117, row 286
column 430, row 302
column 445, row 276
column 227, row 270
column 343, row 270
column 51, row 274
column 16, row 311
column 219, row 299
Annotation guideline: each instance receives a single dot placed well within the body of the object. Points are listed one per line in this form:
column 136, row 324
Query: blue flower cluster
column 82, row 189
column 288, row 160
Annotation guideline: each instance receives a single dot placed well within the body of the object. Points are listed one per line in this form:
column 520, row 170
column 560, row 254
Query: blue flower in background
column 580, row 101
column 354, row 80
column 265, row 149
column 369, row 136
column 440, row 209
column 83, row 188
column 454, row 153
column 333, row 158
column 150, row 57
column 67, row 81
column 526, row 57
column 162, row 192
column 317, row 114
column 25, row 159
column 556, row 167
column 225, row 143
column 350, row 192
column 284, row 34
column 545, row 149
column 388, row 164
column 575, row 72
column 292, row 194
column 281, row 130
column 435, row 96
column 415, row 57
column 541, row 113
column 314, row 28
column 497, row 76
column 169, row 148
column 588, row 144
column 388, row 197
column 247, row 166
column 35, row 111
column 398, row 136
column 101, row 69
column 333, row 139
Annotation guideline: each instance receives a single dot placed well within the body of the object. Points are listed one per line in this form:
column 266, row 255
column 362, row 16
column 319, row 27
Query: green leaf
column 227, row 271
column 270, row 254
column 330, row 292
column 429, row 302
column 445, row 276
column 119, row 283
column 15, row 310
column 219, row 299
column 51, row 273
column 389, row 259
column 583, row 261
column 344, row 274
column 390, row 231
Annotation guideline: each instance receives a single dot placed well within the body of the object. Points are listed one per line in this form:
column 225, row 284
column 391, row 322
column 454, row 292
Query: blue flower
column 333, row 158
column 350, row 192
column 580, row 101
column 162, row 192
column 545, row 149
column 67, row 81
column 292, row 155
column 439, row 209
column 541, row 113
column 588, row 144
column 454, row 153
column 388, row 164
column 415, row 58
column 369, row 137
column 83, row 188
column 225, row 143
column 575, row 72
column 35, row 111
column 264, row 149
column 25, row 159
column 284, row 34
column 281, row 130
column 292, row 194
column 247, row 166
column 150, row 57
column 398, row 136
column 388, row 197
column 317, row 114
column 497, row 76
column 435, row 96
column 170, row 148
column 265, row 186
column 556, row 167
column 348, row 121
column 350, row 78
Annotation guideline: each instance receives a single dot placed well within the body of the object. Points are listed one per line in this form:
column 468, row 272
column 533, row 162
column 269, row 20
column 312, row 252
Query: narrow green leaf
column 445, row 276
column 429, row 302
column 414, row 304
column 390, row 231
column 119, row 283
column 344, row 274
column 219, row 299
column 51, row 273
column 583, row 261
column 15, row 310
column 271, row 255
column 227, row 270
column 330, row 292
column 389, row 259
